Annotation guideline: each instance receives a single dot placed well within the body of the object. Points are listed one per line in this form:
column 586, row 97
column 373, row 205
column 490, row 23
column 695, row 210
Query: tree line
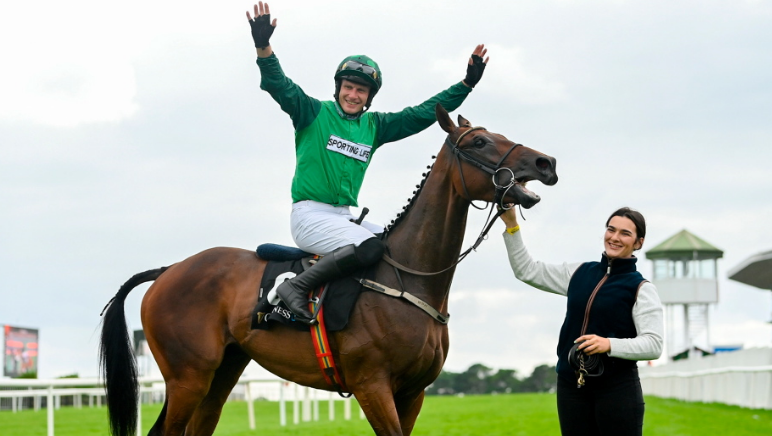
column 480, row 379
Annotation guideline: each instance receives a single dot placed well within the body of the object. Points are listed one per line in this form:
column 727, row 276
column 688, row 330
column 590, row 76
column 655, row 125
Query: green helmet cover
column 360, row 69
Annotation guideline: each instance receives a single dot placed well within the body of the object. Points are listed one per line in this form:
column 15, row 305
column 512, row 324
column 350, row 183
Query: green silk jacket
column 333, row 150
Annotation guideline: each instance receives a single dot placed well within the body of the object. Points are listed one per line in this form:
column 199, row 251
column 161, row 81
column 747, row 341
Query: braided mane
column 410, row 202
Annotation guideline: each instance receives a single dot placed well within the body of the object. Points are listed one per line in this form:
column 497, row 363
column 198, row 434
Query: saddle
column 339, row 296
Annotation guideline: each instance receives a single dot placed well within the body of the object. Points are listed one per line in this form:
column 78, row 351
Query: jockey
column 334, row 143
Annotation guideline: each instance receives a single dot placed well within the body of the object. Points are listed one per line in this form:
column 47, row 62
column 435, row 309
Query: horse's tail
column 116, row 359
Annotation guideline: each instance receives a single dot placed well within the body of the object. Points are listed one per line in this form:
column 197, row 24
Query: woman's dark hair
column 634, row 216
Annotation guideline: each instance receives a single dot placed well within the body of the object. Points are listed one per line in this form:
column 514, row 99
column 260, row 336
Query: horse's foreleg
column 207, row 414
column 408, row 408
column 377, row 402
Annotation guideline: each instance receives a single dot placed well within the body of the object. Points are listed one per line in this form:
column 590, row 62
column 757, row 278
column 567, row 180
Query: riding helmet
column 359, row 69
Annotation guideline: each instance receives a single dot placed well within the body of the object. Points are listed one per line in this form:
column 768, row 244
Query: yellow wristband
column 513, row 230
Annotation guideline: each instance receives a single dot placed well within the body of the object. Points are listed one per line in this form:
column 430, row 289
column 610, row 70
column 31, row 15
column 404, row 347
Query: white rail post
column 347, row 409
column 296, row 406
column 139, row 410
column 306, row 405
column 50, row 410
column 282, row 405
column 316, row 405
column 250, row 406
column 332, row 408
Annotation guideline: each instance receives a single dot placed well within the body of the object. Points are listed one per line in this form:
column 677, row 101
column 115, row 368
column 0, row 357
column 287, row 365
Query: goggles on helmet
column 353, row 65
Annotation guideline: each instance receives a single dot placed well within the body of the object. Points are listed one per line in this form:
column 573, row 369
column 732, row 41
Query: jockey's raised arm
column 262, row 29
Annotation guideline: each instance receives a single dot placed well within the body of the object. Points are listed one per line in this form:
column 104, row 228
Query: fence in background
column 741, row 378
column 18, row 394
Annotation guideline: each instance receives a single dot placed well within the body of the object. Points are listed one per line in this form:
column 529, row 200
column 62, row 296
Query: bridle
column 500, row 192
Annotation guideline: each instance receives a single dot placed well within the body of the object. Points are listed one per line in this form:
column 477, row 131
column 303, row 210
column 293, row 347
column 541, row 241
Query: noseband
column 500, row 190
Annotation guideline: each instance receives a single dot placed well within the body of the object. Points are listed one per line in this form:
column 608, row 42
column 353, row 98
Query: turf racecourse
column 489, row 415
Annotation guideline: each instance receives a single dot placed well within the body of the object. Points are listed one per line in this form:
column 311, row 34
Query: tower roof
column 684, row 245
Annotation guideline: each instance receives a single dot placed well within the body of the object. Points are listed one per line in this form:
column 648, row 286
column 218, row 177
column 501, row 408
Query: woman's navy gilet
column 611, row 313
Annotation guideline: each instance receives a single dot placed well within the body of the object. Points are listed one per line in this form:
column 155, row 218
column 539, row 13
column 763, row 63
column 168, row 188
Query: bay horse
column 197, row 313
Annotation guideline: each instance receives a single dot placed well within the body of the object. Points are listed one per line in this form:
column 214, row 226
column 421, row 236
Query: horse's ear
column 463, row 122
column 444, row 119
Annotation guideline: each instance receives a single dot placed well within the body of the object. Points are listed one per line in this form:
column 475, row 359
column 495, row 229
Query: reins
column 500, row 192
column 462, row 256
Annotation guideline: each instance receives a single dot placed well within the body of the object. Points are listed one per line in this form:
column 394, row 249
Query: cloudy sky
column 133, row 135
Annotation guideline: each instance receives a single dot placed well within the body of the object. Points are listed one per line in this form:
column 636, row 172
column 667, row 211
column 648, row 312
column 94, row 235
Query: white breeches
column 320, row 228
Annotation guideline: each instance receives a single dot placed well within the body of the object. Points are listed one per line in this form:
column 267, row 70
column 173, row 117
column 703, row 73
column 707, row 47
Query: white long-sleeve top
column 554, row 278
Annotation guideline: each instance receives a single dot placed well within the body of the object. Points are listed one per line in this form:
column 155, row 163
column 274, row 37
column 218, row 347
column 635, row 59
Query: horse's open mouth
column 525, row 196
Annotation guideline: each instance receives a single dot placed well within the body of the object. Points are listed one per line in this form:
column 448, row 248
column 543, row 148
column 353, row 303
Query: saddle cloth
column 341, row 295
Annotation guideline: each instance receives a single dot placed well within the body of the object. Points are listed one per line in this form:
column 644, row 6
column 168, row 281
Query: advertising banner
column 21, row 351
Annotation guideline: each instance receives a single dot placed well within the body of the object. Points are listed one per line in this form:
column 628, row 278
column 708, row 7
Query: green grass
column 489, row 415
column 676, row 418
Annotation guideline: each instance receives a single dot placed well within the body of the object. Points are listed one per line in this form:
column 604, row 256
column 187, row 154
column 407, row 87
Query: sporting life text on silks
column 347, row 148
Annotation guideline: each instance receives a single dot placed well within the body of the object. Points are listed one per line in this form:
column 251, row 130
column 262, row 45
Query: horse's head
column 491, row 167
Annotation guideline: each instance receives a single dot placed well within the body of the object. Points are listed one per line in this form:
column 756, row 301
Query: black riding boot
column 342, row 261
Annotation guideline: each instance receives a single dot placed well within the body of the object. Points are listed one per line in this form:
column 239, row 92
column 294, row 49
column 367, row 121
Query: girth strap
column 421, row 304
column 322, row 347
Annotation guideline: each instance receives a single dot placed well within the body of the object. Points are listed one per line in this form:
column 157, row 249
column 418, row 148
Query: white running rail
column 741, row 378
column 304, row 399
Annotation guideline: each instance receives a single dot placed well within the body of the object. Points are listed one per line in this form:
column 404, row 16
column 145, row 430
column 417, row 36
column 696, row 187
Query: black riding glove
column 261, row 30
column 475, row 71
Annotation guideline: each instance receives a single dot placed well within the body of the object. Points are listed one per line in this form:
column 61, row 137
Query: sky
column 135, row 135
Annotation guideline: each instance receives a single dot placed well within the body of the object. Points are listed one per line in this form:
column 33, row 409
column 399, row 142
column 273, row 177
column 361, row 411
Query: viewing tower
column 686, row 276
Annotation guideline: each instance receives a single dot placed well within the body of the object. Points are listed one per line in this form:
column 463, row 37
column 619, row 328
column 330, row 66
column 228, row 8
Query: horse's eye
column 479, row 142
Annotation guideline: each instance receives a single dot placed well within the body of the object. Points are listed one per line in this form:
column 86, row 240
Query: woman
column 613, row 314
